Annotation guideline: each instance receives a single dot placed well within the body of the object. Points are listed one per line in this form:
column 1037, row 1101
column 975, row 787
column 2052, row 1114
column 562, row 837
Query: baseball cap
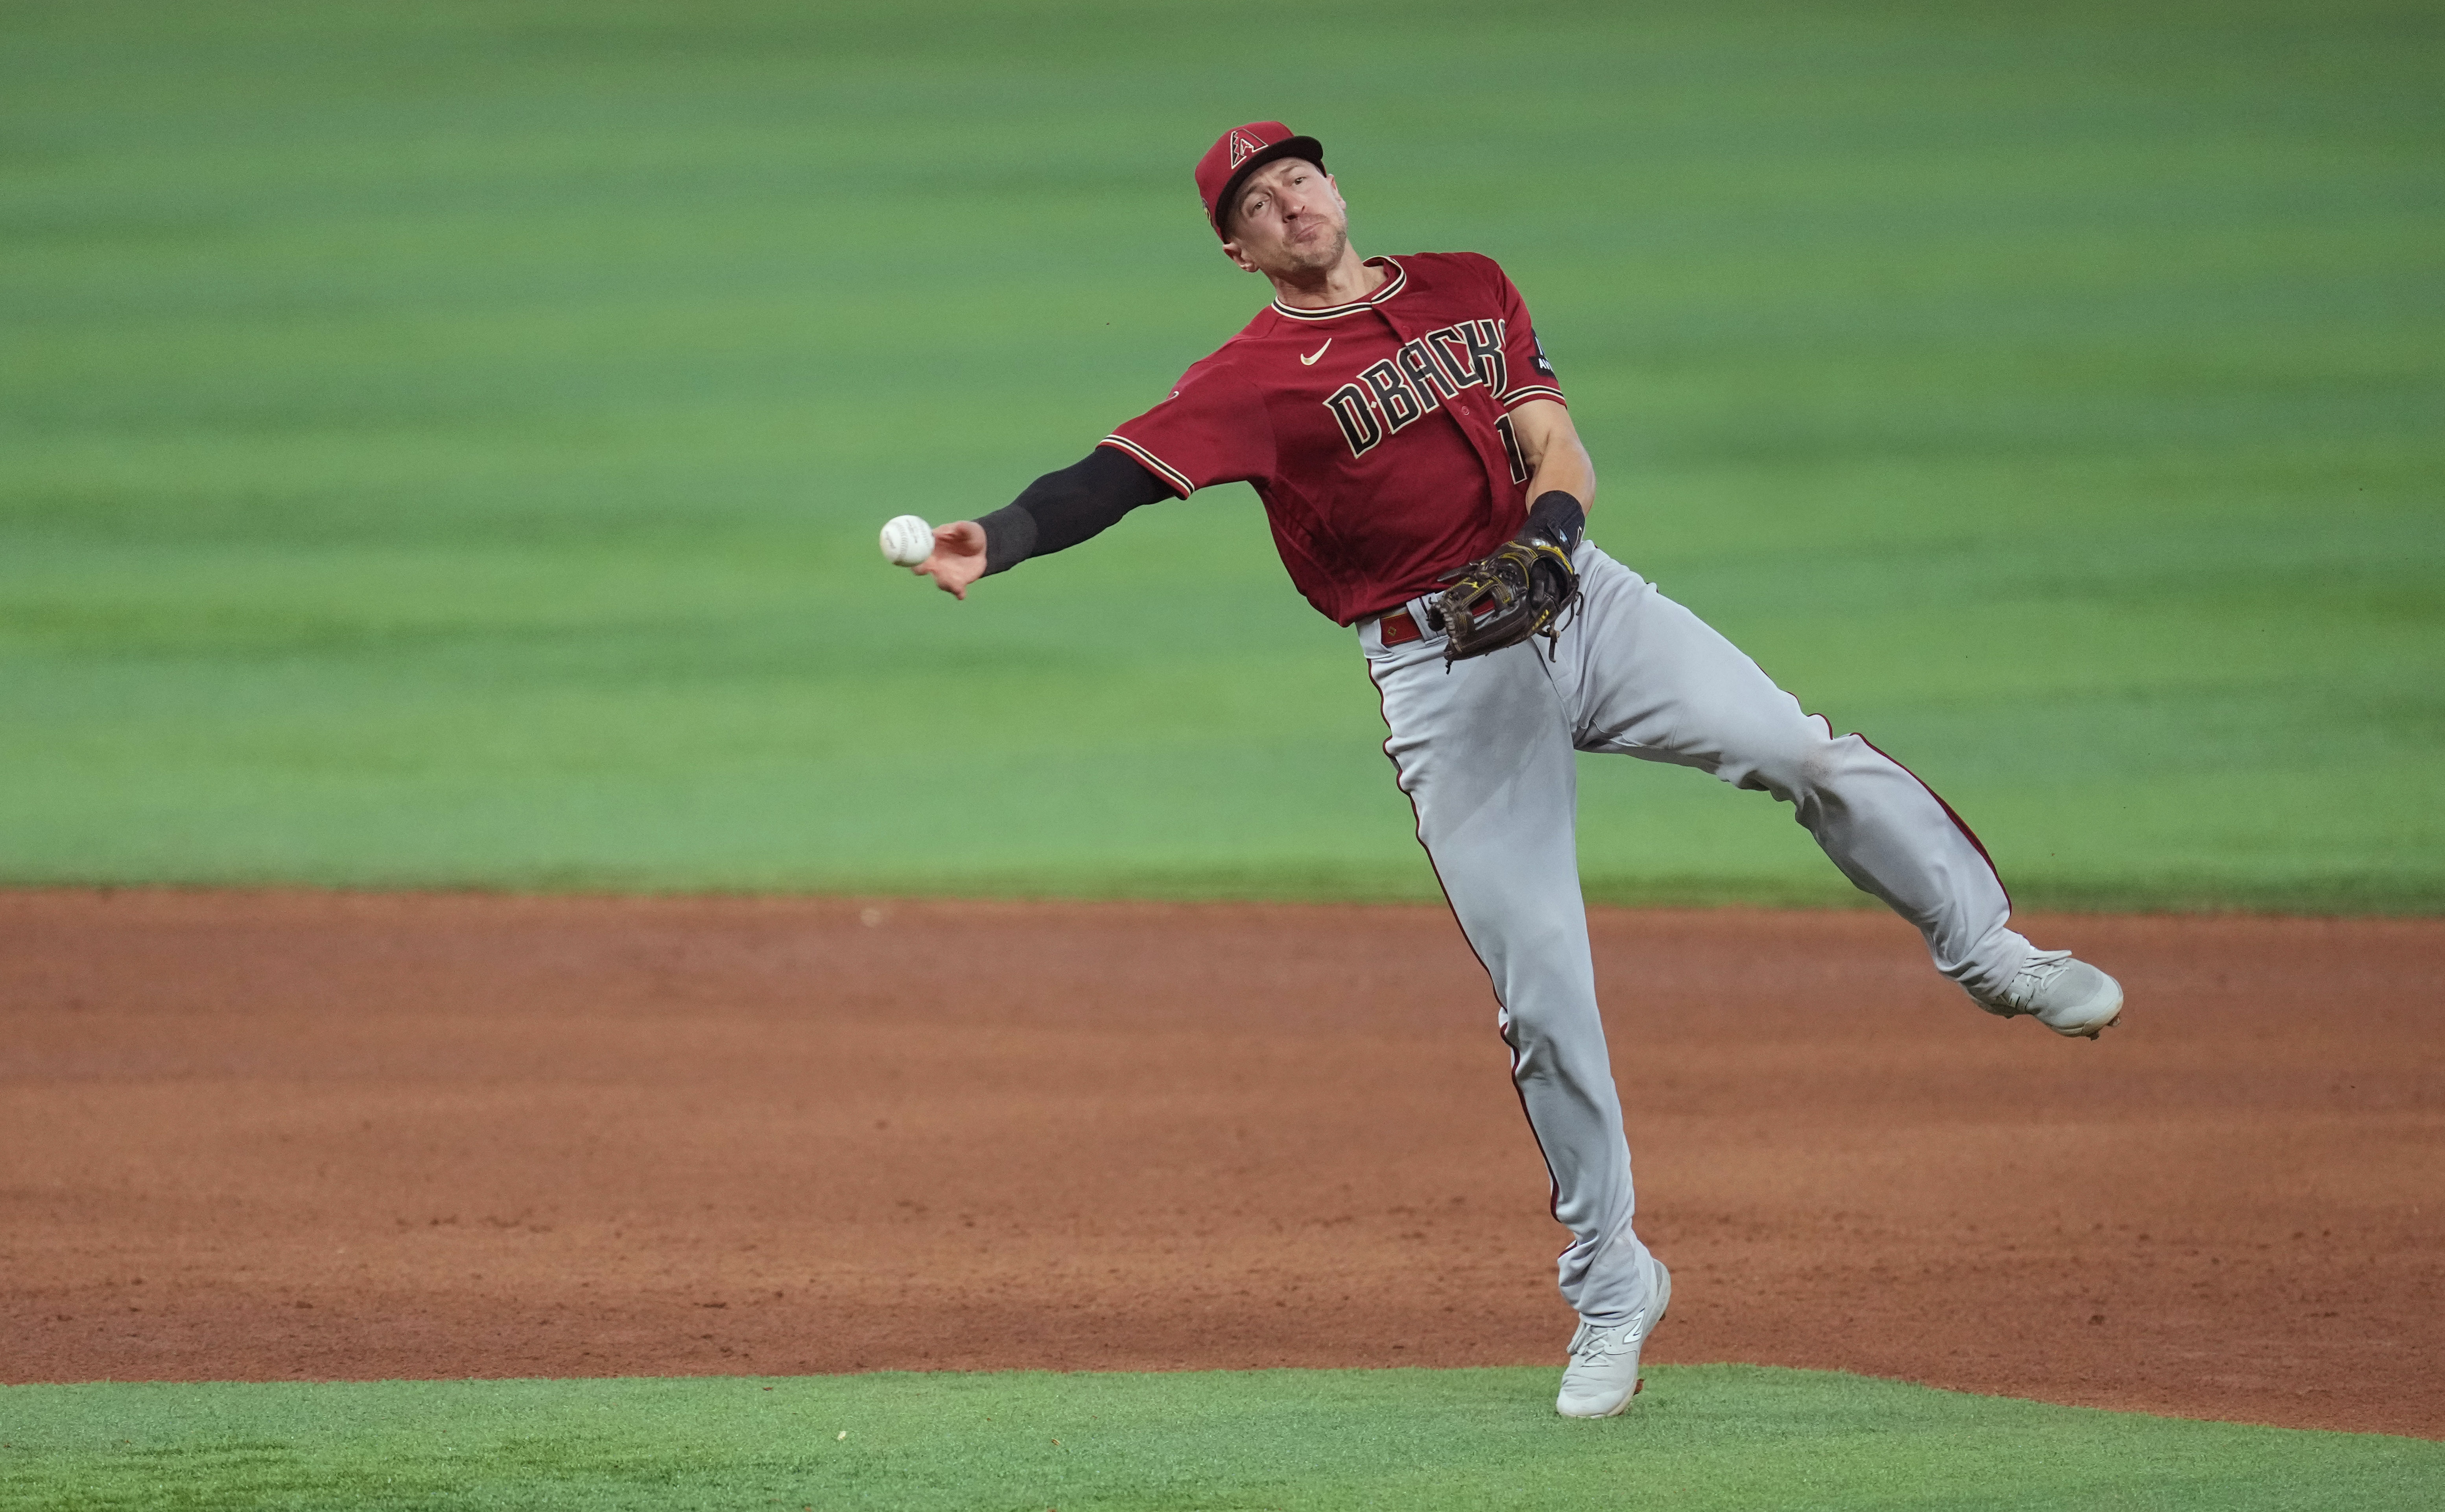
column 1239, row 152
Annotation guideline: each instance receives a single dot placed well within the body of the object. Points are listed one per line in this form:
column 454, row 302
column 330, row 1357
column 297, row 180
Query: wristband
column 1557, row 517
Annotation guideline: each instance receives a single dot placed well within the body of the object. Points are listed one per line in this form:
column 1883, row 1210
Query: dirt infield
column 253, row 1136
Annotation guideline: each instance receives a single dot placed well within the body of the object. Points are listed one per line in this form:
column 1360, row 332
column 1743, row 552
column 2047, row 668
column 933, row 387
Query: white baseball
column 908, row 541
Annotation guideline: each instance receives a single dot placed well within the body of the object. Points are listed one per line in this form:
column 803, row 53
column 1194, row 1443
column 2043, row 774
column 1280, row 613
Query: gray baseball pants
column 1483, row 751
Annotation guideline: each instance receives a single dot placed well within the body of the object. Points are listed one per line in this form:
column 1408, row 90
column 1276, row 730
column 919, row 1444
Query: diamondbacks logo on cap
column 1244, row 146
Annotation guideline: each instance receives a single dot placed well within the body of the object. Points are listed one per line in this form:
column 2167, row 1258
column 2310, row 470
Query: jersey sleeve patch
column 1525, row 353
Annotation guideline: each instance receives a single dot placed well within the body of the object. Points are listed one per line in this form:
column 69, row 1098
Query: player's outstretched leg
column 1646, row 677
column 1484, row 752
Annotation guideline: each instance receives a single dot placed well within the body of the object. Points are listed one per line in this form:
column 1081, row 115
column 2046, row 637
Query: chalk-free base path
column 282, row 1135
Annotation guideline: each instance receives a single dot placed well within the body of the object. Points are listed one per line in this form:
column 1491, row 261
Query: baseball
column 908, row 541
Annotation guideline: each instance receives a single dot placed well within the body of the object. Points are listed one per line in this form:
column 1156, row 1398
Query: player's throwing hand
column 959, row 557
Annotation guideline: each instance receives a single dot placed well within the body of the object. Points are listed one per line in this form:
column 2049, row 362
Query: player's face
column 1290, row 219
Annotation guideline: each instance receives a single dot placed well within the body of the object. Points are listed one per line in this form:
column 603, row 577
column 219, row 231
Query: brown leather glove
column 1520, row 590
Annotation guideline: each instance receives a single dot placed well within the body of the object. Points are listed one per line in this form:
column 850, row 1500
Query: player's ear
column 1231, row 249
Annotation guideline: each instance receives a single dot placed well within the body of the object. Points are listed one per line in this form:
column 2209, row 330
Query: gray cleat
column 2068, row 995
column 1603, row 1373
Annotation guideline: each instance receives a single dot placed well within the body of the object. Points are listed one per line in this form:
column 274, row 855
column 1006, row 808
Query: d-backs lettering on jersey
column 1378, row 433
column 1397, row 390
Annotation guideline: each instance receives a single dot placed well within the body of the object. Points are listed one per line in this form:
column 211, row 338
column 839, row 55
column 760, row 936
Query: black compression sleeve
column 1557, row 517
column 1061, row 509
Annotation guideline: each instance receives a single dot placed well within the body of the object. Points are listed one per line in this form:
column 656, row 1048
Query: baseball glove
column 1521, row 588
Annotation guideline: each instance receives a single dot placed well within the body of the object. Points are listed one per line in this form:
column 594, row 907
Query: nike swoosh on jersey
column 1310, row 362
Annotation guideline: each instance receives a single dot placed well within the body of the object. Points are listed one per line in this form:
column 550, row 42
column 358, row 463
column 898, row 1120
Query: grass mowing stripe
column 1717, row 1436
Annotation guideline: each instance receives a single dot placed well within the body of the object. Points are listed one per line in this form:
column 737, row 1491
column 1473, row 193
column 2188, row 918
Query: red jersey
column 1378, row 432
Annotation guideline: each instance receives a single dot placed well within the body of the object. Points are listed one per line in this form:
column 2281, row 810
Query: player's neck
column 1346, row 282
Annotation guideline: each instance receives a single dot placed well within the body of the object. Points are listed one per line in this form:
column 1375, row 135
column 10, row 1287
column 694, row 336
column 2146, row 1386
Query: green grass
column 1717, row 1436
column 441, row 444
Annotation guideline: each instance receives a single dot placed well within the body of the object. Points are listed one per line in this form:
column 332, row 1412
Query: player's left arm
column 1549, row 443
column 1524, row 587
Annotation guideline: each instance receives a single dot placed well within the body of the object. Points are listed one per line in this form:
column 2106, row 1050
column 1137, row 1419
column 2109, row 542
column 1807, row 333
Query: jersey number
column 1511, row 449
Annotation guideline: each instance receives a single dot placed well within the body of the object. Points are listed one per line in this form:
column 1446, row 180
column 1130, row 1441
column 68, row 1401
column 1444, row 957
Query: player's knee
column 1542, row 977
column 1793, row 761
column 1544, row 1024
column 1819, row 763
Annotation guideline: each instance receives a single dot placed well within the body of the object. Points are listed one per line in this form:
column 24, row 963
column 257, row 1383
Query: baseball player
column 1425, row 485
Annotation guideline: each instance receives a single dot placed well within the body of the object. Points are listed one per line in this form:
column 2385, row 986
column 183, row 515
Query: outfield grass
column 441, row 444
column 1718, row 1436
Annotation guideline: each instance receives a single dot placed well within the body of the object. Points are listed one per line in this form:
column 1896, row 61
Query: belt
column 1399, row 627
